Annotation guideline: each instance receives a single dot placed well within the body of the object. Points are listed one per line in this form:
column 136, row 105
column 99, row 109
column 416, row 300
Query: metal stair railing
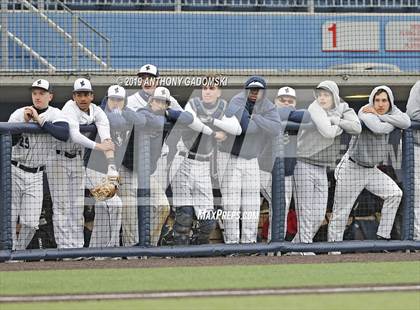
column 34, row 54
column 76, row 45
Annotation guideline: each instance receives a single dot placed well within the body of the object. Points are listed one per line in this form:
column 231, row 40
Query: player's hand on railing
column 106, row 145
column 220, row 135
column 34, row 115
column 27, row 114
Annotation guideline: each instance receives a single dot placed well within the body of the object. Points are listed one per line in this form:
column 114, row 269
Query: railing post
column 75, row 54
column 141, row 164
column 408, row 166
column 4, row 37
column 108, row 54
column 311, row 6
column 5, row 192
column 278, row 187
column 178, row 6
column 41, row 5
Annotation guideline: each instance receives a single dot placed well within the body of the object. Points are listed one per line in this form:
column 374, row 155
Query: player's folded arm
column 350, row 122
column 397, row 119
column 374, row 124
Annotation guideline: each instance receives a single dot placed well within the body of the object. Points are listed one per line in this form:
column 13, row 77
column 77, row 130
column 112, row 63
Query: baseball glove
column 106, row 189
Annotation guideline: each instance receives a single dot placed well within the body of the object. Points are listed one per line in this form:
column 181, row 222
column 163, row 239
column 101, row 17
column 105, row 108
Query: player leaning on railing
column 238, row 164
column 108, row 204
column 157, row 113
column 30, row 154
column 65, row 171
column 358, row 167
column 285, row 102
column 413, row 110
column 191, row 169
column 149, row 80
column 317, row 150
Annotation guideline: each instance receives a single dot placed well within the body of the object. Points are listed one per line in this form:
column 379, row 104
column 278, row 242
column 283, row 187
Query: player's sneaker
column 308, row 254
column 300, row 254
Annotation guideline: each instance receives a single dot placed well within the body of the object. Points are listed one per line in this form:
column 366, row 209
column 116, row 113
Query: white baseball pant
column 240, row 187
column 417, row 192
column 191, row 184
column 27, row 195
column 351, row 180
column 107, row 223
column 266, row 191
column 66, row 178
column 311, row 199
column 159, row 204
column 128, row 194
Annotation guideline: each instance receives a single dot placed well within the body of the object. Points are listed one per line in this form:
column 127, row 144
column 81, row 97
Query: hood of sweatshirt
column 388, row 91
column 332, row 87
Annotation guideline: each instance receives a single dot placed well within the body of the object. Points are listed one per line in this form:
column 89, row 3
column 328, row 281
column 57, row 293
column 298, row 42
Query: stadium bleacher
column 249, row 5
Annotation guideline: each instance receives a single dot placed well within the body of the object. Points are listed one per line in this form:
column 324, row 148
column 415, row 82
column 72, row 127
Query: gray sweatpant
column 351, row 180
column 311, row 199
column 417, row 192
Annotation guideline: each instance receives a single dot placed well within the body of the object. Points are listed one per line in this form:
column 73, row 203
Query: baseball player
column 286, row 107
column 413, row 111
column 157, row 113
column 238, row 163
column 318, row 149
column 66, row 172
column 358, row 168
column 107, row 222
column 191, row 169
column 149, row 75
column 30, row 153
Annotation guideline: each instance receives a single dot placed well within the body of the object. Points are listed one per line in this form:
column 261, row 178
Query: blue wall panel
column 215, row 40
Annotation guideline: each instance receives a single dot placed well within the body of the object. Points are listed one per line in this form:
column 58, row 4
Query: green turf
column 187, row 278
column 371, row 301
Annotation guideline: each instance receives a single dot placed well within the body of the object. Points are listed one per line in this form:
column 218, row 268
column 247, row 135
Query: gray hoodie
column 371, row 146
column 321, row 146
column 259, row 121
column 413, row 109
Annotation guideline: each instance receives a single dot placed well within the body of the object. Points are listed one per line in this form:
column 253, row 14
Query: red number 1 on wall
column 333, row 29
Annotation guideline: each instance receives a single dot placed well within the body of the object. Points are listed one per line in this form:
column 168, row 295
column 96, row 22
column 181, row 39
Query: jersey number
column 24, row 142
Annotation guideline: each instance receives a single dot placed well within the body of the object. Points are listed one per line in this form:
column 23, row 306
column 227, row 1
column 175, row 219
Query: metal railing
column 252, row 3
column 142, row 249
